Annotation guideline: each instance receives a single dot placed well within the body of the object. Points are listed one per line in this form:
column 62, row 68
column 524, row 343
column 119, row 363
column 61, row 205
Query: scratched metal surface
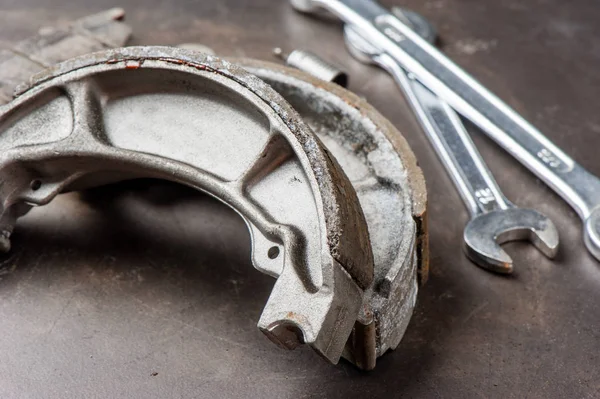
column 146, row 290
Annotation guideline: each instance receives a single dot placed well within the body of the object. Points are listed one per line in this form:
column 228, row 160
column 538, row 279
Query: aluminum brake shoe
column 338, row 217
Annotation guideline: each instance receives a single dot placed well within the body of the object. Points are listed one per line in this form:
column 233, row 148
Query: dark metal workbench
column 146, row 290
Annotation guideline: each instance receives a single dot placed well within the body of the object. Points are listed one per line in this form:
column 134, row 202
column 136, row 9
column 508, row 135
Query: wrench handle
column 451, row 142
column 471, row 99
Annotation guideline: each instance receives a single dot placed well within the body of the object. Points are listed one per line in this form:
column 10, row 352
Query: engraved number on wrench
column 550, row 159
column 485, row 196
column 391, row 32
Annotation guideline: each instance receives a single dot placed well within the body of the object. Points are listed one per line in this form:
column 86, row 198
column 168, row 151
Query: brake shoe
column 346, row 243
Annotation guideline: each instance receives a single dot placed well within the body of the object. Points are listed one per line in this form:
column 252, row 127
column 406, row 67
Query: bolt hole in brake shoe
column 317, row 207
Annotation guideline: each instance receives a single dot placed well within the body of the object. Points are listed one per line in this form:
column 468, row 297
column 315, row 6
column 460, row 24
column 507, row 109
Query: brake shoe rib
column 182, row 116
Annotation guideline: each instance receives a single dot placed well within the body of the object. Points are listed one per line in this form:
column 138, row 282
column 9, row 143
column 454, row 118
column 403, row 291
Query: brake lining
column 347, row 253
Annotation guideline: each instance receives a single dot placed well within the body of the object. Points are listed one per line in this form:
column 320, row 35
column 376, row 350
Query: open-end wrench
column 394, row 38
column 494, row 219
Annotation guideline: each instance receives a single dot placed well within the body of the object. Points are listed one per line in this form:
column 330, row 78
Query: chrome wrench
column 494, row 219
column 389, row 35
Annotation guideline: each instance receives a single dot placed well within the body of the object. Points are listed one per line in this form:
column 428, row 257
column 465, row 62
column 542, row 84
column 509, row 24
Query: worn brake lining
column 197, row 120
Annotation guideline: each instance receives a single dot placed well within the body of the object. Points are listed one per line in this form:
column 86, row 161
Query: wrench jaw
column 485, row 233
column 492, row 258
column 591, row 233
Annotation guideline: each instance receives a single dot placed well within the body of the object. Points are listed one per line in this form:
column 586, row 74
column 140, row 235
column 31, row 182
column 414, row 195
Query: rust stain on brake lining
column 133, row 64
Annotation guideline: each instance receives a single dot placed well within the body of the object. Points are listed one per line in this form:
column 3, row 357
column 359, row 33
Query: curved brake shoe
column 200, row 121
column 373, row 154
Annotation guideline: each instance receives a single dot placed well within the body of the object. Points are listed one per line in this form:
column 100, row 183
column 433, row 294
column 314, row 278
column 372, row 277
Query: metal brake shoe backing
column 345, row 240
